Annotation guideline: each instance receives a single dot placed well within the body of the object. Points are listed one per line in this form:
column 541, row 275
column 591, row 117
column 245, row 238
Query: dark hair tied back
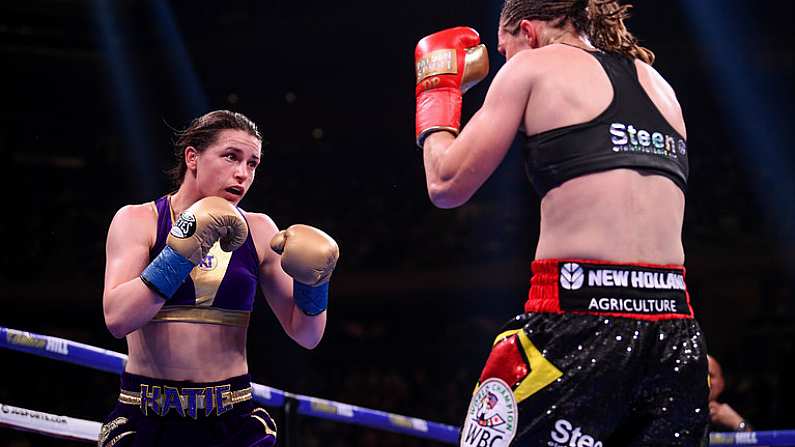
column 601, row 20
column 202, row 132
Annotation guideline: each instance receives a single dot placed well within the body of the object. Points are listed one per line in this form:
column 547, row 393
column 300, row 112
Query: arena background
column 91, row 90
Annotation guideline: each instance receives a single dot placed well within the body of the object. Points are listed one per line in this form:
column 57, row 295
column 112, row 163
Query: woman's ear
column 191, row 158
column 529, row 32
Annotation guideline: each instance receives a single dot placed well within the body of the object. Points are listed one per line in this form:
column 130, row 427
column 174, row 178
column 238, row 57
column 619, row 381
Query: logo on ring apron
column 492, row 416
column 185, row 226
column 571, row 276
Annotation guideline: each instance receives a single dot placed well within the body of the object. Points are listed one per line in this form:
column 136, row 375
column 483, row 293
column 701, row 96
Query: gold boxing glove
column 190, row 239
column 205, row 222
column 309, row 256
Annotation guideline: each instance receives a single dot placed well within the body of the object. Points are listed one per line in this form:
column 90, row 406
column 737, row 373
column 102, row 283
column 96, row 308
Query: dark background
column 91, row 90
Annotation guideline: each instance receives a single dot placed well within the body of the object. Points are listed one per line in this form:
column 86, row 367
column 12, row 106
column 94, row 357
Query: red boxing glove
column 448, row 63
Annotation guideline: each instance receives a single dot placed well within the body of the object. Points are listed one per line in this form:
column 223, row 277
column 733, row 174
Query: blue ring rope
column 109, row 361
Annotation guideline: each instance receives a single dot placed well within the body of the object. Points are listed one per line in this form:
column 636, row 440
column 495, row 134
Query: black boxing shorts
column 606, row 354
column 154, row 412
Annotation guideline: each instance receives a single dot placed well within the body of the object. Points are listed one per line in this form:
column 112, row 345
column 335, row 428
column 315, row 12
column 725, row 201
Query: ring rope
column 109, row 361
column 48, row 424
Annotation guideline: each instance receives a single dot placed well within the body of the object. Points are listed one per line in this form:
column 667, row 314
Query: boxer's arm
column 277, row 286
column 127, row 302
column 455, row 167
column 724, row 415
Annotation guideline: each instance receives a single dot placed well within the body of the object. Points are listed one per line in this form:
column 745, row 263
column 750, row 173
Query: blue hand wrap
column 167, row 272
column 311, row 300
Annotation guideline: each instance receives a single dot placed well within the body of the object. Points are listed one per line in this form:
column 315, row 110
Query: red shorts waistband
column 631, row 290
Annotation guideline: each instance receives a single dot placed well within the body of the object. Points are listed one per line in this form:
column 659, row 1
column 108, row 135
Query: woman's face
column 226, row 168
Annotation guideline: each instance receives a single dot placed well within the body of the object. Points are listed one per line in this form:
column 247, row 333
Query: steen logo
column 571, row 276
column 185, row 226
column 491, row 417
column 567, row 435
column 626, row 138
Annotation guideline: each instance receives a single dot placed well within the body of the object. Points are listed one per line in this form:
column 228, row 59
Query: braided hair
column 601, row 20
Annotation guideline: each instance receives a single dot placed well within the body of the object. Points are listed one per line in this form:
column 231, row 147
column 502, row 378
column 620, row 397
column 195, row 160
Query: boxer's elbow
column 447, row 194
column 116, row 326
column 309, row 332
column 307, row 340
column 118, row 333
column 310, row 343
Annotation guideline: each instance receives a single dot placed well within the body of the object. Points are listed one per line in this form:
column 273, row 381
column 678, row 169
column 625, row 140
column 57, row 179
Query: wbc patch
column 492, row 416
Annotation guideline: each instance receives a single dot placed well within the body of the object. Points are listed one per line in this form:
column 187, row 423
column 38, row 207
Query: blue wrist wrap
column 167, row 272
column 311, row 300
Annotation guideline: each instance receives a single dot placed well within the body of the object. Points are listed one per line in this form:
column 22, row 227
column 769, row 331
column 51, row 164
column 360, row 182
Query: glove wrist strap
column 167, row 272
column 311, row 300
column 438, row 109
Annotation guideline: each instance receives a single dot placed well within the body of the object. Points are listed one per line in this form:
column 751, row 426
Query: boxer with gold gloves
column 180, row 281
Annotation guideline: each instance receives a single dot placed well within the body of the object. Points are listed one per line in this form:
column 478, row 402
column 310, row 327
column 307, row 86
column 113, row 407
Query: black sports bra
column 630, row 133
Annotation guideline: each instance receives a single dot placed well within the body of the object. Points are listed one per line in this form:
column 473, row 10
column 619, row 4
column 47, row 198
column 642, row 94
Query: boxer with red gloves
column 448, row 64
column 181, row 276
column 608, row 323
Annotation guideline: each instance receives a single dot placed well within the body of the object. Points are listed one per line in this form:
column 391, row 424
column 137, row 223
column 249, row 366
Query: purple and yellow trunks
column 159, row 397
column 154, row 412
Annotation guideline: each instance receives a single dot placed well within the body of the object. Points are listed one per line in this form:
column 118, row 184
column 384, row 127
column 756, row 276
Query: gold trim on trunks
column 117, row 438
column 106, row 429
column 201, row 398
column 266, row 420
column 130, row 397
column 193, row 314
column 234, row 397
